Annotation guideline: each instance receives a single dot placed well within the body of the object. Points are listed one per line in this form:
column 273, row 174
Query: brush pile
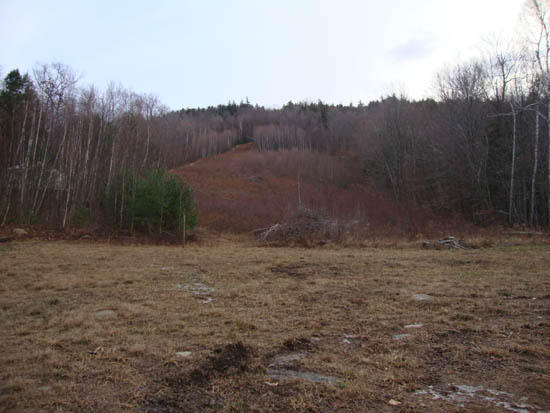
column 445, row 243
column 306, row 228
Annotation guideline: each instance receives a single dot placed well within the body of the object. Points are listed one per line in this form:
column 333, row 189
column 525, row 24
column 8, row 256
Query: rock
column 287, row 359
column 20, row 231
column 198, row 288
column 105, row 313
column 401, row 336
column 421, row 297
column 278, row 370
column 301, row 375
column 44, row 388
column 414, row 326
column 184, row 354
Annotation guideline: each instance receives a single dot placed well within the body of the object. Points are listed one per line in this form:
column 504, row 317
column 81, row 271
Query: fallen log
column 448, row 242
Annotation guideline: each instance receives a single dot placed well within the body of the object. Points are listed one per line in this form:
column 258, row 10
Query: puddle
column 461, row 394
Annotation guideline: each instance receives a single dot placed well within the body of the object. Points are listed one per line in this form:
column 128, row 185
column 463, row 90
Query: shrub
column 80, row 216
column 156, row 202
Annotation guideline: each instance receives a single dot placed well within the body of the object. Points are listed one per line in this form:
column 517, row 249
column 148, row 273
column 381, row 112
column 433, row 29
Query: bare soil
column 233, row 327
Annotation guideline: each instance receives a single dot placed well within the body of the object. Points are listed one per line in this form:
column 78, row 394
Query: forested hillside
column 479, row 149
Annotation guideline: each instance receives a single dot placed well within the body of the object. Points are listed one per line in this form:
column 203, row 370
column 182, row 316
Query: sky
column 209, row 52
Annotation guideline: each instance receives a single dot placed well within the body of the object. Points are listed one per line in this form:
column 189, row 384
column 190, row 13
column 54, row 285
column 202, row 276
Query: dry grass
column 487, row 325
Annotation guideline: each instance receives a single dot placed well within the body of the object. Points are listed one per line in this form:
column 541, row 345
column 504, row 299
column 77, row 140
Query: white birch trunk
column 513, row 168
column 535, row 166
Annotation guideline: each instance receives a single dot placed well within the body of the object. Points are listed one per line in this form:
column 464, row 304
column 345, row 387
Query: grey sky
column 206, row 52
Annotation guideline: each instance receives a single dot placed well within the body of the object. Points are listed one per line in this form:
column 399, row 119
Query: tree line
column 479, row 148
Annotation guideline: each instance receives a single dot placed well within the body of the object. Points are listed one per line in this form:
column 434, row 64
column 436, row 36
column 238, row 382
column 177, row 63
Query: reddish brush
column 245, row 189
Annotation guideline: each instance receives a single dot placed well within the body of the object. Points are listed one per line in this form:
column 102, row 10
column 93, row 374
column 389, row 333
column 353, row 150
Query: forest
column 479, row 149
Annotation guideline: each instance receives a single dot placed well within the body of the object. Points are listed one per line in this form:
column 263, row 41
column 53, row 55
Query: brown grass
column 487, row 325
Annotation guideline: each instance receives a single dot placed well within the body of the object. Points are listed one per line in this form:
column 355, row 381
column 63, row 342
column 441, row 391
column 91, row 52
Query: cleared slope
column 245, row 189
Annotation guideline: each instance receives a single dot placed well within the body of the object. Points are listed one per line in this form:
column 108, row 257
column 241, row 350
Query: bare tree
column 538, row 11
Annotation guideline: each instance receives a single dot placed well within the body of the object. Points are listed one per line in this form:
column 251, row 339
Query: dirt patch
column 298, row 343
column 231, row 357
column 297, row 270
column 184, row 388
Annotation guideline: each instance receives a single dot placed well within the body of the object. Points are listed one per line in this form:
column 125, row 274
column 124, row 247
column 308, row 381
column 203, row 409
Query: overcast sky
column 206, row 52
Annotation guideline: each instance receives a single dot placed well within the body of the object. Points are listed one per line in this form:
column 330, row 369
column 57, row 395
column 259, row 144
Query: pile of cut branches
column 306, row 228
column 445, row 243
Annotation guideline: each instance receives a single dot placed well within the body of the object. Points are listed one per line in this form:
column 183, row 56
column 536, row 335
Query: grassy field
column 233, row 327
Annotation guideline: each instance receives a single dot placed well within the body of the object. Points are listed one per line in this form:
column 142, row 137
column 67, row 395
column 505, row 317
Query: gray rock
column 20, row 231
column 286, row 359
column 44, row 388
column 198, row 288
column 301, row 375
column 414, row 326
column 401, row 336
column 421, row 297
column 105, row 313
column 184, row 354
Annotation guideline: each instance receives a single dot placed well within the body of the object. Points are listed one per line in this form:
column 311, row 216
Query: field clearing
column 234, row 328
